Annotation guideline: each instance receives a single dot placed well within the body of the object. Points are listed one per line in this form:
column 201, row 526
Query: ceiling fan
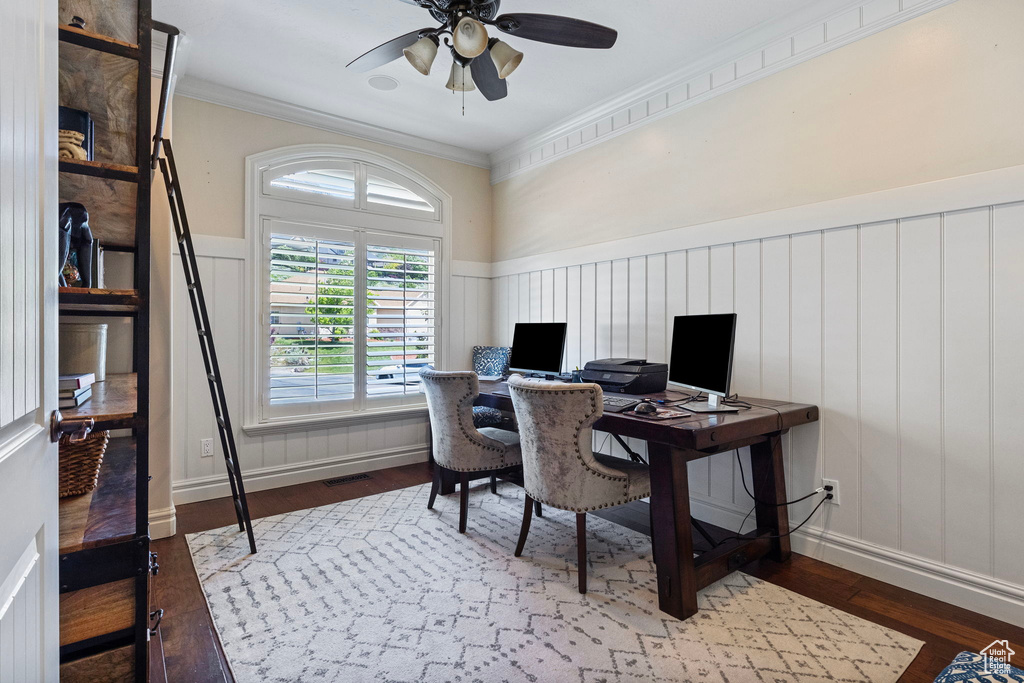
column 490, row 60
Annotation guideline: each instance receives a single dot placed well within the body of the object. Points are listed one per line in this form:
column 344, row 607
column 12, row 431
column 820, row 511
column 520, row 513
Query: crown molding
column 752, row 55
column 206, row 91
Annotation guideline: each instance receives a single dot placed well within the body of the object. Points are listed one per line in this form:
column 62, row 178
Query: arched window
column 347, row 252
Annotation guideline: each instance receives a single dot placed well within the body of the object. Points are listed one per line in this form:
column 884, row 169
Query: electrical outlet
column 206, row 448
column 835, row 490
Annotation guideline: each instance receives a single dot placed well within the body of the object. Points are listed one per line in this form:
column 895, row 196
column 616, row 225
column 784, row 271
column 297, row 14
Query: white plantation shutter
column 401, row 296
column 312, row 295
column 334, row 183
column 389, row 193
column 319, row 338
column 346, row 265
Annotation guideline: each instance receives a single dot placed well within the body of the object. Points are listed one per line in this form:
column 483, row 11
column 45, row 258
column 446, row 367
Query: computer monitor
column 538, row 348
column 701, row 360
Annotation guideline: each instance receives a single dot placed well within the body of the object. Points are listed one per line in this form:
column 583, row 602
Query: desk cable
column 826, row 490
column 788, row 533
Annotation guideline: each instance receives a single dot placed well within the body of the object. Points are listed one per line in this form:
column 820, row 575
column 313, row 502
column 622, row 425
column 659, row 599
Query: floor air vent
column 346, row 480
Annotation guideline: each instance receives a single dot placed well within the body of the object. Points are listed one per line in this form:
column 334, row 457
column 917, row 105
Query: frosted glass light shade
column 421, row 54
column 469, row 38
column 460, row 79
column 505, row 57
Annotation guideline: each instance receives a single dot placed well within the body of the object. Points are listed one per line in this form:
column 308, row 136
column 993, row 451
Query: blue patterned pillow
column 969, row 667
column 486, row 417
column 491, row 360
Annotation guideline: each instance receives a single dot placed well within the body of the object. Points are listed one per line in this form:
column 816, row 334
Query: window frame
column 312, row 214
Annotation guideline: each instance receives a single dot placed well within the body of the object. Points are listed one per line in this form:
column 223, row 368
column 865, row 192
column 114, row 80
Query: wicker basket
column 80, row 463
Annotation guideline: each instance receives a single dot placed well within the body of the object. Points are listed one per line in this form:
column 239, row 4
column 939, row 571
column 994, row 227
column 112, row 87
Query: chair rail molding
column 750, row 56
column 999, row 186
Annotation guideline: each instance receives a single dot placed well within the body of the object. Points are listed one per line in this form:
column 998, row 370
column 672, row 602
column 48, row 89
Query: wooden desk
column 671, row 444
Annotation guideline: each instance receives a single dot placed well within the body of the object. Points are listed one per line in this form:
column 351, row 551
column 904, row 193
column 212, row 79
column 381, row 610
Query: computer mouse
column 645, row 409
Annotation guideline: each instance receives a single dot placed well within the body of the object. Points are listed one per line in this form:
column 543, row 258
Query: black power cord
column 791, row 531
column 743, row 478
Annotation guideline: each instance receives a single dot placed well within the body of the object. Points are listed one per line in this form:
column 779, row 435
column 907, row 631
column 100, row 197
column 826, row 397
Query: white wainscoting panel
column 471, row 300
column 20, row 209
column 906, row 332
column 21, row 595
column 274, row 460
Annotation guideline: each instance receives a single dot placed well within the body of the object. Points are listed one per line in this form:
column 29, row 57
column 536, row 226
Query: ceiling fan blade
column 386, row 53
column 485, row 75
column 548, row 28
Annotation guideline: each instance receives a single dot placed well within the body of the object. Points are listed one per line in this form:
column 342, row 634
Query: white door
column 28, row 348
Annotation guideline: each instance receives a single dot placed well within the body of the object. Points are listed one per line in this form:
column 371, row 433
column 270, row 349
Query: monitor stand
column 547, row 376
column 712, row 405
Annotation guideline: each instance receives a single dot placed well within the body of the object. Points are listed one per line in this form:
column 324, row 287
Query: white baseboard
column 983, row 594
column 162, row 523
column 205, row 488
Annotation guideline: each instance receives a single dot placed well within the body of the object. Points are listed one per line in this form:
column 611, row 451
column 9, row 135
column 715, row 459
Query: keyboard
column 617, row 404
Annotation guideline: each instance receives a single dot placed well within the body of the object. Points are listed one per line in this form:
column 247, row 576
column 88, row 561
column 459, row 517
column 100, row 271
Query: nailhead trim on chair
column 502, row 452
column 579, row 456
column 579, row 428
column 592, row 509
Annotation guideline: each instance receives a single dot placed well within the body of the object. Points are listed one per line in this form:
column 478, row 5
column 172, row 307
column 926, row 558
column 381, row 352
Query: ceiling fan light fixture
column 469, row 37
column 460, row 79
column 505, row 57
column 421, row 54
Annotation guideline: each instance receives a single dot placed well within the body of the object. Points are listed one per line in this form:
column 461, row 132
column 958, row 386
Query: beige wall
column 211, row 143
column 937, row 97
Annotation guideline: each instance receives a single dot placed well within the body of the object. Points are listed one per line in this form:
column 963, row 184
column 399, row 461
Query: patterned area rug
column 382, row 589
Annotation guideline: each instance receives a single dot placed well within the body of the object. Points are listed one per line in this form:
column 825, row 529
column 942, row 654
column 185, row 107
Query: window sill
column 306, row 424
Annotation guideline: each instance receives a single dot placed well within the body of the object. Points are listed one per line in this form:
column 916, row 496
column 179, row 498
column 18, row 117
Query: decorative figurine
column 75, row 232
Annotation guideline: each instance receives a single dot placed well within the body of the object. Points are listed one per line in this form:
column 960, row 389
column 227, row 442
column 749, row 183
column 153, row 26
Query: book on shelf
column 97, row 264
column 79, row 381
column 75, row 401
column 73, row 393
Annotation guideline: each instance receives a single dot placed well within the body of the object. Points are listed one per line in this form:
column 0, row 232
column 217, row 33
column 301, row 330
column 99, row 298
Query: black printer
column 627, row 375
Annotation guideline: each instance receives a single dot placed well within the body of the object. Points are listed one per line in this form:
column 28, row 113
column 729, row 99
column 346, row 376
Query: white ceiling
column 296, row 51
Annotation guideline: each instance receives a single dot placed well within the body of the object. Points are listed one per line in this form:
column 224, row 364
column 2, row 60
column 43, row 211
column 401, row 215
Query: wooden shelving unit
column 105, row 515
column 99, row 169
column 114, row 403
column 99, row 42
column 105, row 563
column 82, row 301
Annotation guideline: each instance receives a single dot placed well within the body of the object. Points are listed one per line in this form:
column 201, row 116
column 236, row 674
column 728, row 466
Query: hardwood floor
column 193, row 652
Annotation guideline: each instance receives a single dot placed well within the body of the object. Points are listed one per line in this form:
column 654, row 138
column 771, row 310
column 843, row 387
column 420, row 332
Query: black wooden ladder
column 195, row 294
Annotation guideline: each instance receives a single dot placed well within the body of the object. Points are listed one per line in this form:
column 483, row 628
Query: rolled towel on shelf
column 69, row 145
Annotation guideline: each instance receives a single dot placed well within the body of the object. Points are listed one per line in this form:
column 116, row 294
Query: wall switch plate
column 206, row 448
column 835, row 490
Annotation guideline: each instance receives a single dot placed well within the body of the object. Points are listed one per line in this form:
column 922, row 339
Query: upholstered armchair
column 491, row 361
column 458, row 445
column 560, row 468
